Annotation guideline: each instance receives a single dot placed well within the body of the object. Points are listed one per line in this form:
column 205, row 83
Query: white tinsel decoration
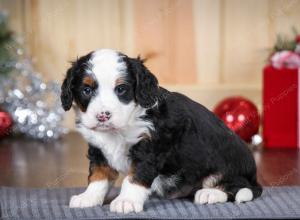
column 33, row 104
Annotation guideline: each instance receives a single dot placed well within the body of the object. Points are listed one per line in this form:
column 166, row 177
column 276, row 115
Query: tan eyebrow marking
column 89, row 80
column 120, row 81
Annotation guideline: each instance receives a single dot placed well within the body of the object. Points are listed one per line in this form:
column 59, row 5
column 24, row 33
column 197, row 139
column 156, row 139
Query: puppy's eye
column 87, row 91
column 120, row 89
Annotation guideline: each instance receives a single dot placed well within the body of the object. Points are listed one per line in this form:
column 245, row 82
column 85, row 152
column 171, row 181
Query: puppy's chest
column 116, row 150
column 115, row 145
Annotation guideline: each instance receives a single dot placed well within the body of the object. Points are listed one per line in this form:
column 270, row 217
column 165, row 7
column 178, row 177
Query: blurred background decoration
column 241, row 116
column 207, row 49
column 29, row 106
column 281, row 94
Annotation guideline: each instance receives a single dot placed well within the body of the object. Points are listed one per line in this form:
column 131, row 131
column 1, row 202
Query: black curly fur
column 66, row 96
column 192, row 143
column 146, row 84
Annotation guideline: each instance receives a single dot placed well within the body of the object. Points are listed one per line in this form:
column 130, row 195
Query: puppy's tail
column 257, row 191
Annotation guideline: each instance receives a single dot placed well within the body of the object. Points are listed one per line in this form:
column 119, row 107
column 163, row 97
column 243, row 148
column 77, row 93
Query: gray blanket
column 16, row 203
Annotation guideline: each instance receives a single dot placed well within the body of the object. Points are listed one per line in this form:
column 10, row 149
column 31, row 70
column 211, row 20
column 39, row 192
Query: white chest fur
column 115, row 145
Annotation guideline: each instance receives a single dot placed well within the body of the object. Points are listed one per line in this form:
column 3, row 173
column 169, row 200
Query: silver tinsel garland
column 33, row 104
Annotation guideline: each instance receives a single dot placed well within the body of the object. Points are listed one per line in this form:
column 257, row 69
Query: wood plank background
column 207, row 49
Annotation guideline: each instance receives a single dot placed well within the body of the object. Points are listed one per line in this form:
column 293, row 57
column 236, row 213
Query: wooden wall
column 208, row 49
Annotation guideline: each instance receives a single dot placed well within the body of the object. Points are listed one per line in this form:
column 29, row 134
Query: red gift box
column 280, row 107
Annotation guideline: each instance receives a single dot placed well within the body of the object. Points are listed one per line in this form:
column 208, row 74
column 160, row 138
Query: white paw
column 85, row 200
column 131, row 198
column 243, row 195
column 123, row 205
column 210, row 196
column 93, row 195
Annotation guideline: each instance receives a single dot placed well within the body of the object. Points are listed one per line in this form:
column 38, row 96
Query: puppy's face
column 108, row 87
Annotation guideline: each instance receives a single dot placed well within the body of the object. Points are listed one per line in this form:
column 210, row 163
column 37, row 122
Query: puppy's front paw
column 123, row 205
column 93, row 195
column 131, row 198
column 210, row 196
column 85, row 199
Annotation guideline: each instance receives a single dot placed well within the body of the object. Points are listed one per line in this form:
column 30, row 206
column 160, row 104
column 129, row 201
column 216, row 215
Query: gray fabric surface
column 276, row 202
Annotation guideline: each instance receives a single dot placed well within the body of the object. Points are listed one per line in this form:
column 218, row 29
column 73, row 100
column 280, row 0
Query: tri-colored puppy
column 162, row 141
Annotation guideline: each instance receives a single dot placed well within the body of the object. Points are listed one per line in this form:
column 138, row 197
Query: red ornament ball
column 298, row 39
column 5, row 123
column 240, row 115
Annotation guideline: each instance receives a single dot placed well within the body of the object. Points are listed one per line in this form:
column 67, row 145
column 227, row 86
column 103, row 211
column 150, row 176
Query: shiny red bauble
column 298, row 39
column 5, row 123
column 240, row 115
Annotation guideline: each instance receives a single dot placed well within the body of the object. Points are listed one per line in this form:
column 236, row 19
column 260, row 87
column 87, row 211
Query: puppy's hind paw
column 210, row 196
column 243, row 195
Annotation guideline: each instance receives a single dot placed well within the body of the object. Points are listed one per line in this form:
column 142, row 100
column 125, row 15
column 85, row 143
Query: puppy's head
column 108, row 87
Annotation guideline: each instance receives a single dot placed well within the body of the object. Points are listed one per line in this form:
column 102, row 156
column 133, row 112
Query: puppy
column 163, row 142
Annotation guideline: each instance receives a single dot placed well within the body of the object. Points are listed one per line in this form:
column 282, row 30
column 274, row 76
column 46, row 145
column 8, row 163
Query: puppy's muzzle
column 103, row 116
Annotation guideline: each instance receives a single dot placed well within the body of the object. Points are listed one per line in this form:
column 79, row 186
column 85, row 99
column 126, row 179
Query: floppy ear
column 66, row 95
column 146, row 86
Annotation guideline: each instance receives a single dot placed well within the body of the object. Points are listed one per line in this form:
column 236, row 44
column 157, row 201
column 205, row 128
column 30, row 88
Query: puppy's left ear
column 66, row 95
column 146, row 84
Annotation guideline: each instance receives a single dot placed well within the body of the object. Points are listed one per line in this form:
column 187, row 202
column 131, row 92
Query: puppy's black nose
column 103, row 116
